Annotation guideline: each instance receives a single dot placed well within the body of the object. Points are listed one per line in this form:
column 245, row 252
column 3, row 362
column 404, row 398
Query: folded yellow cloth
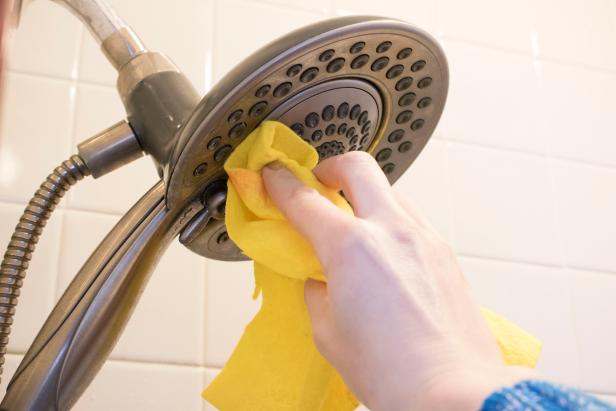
column 275, row 366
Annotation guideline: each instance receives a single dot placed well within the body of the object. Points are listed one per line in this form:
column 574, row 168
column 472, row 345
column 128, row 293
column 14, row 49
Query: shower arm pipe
column 118, row 41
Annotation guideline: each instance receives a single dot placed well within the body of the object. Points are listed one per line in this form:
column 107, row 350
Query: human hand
column 396, row 318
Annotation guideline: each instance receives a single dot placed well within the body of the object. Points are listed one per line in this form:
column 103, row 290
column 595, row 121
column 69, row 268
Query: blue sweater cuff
column 543, row 396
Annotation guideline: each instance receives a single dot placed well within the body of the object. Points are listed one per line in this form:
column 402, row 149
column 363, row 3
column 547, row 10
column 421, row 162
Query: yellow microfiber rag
column 276, row 366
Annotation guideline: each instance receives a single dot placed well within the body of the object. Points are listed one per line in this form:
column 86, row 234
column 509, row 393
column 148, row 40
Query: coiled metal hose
column 23, row 241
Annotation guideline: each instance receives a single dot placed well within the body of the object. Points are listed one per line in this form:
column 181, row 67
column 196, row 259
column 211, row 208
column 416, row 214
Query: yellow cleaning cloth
column 275, row 366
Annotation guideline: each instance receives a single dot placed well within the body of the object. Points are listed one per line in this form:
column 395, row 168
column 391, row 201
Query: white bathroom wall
column 520, row 177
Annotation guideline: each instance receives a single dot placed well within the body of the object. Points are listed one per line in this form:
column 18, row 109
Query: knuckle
column 358, row 159
column 438, row 244
column 352, row 237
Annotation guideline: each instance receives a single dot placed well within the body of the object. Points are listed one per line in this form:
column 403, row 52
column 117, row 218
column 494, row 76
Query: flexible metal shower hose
column 23, row 241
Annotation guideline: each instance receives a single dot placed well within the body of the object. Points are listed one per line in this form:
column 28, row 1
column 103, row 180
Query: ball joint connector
column 213, row 199
column 206, row 233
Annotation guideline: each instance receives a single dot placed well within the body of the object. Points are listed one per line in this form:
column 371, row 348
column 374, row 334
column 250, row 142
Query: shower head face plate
column 350, row 83
column 335, row 116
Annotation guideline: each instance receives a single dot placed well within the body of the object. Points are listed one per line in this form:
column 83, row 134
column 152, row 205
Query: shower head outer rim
column 276, row 53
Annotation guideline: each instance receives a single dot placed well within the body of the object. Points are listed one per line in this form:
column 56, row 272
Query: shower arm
column 117, row 40
column 87, row 321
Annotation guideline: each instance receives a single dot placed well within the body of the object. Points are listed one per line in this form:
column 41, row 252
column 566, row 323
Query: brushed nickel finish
column 86, row 323
column 111, row 149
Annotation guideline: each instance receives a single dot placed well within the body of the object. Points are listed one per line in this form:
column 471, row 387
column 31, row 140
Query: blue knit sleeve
column 543, row 396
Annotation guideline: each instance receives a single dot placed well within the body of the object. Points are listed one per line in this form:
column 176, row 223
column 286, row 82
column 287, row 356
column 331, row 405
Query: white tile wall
column 593, row 302
column 493, row 90
column 585, row 202
column 502, row 205
column 420, row 13
column 500, row 24
column 521, row 178
column 547, row 291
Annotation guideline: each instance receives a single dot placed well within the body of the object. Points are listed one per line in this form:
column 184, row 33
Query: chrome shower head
column 350, row 83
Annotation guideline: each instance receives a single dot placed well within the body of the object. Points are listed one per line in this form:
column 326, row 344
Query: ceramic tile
column 36, row 297
column 170, row 315
column 579, row 32
column 419, row 13
column 98, row 108
column 321, row 6
column 167, row 324
column 501, row 205
column 536, row 298
column 81, row 233
column 140, row 386
column 577, row 111
column 208, row 376
column 34, row 134
column 493, row 99
column 508, row 25
column 426, row 185
column 46, row 42
column 180, row 29
column 8, row 369
column 229, row 307
column 585, row 201
column 593, row 297
column 232, row 44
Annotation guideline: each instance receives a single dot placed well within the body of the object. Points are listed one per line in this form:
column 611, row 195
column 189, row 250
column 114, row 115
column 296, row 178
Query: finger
column 358, row 175
column 305, row 208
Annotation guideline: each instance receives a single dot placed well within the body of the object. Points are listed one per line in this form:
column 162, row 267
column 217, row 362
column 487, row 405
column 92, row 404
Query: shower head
column 350, row 83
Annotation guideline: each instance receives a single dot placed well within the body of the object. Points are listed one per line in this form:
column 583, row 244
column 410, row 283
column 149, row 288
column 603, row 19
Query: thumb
column 315, row 295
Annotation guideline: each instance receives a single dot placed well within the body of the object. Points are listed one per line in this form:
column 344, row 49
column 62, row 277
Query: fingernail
column 275, row 165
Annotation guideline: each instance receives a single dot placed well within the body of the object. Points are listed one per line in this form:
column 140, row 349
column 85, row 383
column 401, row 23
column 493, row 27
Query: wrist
column 468, row 388
column 459, row 389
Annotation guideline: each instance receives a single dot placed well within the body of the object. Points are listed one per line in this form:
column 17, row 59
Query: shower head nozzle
column 350, row 83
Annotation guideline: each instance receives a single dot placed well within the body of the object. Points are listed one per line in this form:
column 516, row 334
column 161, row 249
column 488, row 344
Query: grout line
column 537, row 264
column 65, row 208
column 460, row 142
column 511, row 50
column 508, row 261
column 587, row 163
column 136, row 361
column 55, row 284
column 156, row 363
column 63, row 79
